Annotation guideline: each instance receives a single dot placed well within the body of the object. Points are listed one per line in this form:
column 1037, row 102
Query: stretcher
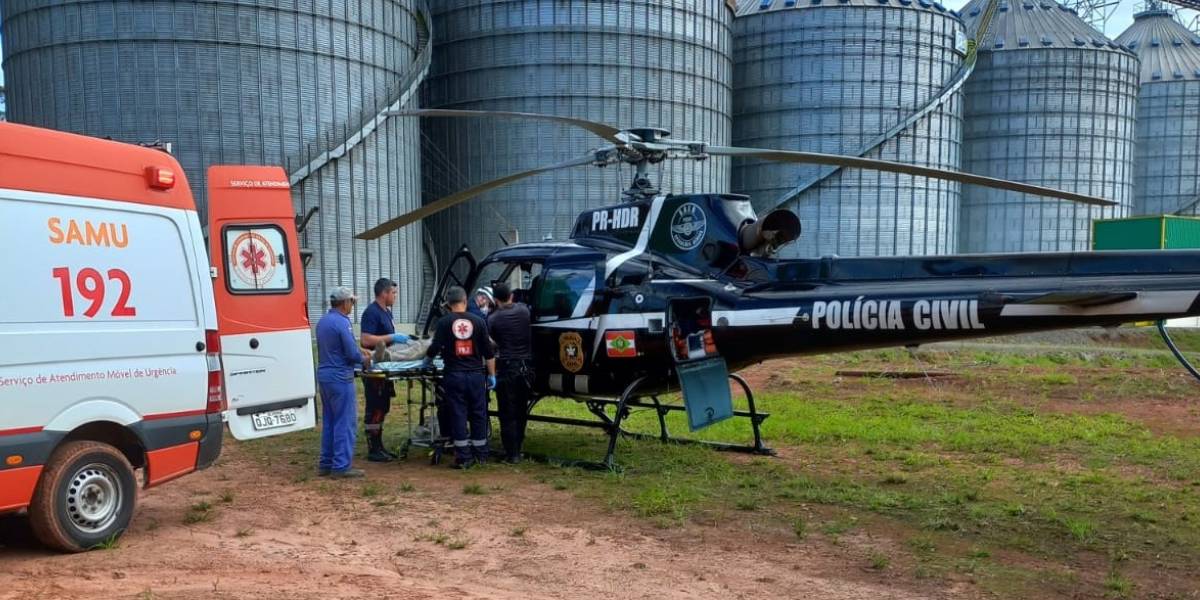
column 421, row 398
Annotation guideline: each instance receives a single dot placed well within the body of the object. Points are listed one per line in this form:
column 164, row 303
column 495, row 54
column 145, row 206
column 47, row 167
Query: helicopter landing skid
column 631, row 399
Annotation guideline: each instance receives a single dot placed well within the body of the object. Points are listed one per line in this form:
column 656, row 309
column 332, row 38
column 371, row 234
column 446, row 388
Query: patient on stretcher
column 413, row 349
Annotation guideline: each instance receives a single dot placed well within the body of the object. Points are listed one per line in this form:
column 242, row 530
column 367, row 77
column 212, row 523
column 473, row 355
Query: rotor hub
column 650, row 134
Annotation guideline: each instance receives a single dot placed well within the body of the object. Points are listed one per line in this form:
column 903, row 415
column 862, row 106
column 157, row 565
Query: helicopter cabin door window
column 691, row 329
column 566, row 291
column 703, row 375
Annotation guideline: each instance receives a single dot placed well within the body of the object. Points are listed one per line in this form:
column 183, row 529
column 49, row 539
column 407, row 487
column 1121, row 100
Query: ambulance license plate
column 274, row 418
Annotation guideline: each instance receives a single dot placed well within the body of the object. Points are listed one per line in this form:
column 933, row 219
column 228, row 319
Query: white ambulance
column 122, row 345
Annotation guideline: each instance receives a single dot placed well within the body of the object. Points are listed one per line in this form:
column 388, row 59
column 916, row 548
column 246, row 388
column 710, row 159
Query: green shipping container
column 1162, row 232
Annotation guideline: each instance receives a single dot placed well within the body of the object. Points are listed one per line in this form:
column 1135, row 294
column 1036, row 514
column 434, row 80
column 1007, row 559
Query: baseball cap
column 341, row 293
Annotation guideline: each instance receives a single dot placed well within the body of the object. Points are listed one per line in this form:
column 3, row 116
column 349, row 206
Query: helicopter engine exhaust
column 768, row 234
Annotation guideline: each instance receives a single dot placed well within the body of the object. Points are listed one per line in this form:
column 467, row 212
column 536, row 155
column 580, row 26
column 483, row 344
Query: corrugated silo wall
column 252, row 82
column 828, row 78
column 1167, row 170
column 657, row 63
column 1057, row 117
column 1166, row 176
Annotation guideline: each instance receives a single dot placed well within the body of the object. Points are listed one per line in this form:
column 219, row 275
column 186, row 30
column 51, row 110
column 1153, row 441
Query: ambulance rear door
column 262, row 310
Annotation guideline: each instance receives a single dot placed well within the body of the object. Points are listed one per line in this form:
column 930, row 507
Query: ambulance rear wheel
column 85, row 497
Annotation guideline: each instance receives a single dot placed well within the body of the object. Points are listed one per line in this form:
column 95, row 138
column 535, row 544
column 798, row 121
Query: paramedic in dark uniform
column 469, row 371
column 378, row 328
column 508, row 327
column 337, row 355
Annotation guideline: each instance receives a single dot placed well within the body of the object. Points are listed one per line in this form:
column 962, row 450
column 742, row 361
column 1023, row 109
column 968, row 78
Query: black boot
column 383, row 448
column 375, row 451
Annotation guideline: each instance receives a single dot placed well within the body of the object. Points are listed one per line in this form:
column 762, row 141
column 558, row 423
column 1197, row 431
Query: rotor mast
column 652, row 151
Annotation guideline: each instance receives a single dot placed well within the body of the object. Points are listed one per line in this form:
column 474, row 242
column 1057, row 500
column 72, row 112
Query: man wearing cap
column 337, row 355
column 378, row 327
column 469, row 372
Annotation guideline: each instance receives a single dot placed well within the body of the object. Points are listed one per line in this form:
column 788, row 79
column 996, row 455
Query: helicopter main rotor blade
column 459, row 197
column 607, row 132
column 816, row 158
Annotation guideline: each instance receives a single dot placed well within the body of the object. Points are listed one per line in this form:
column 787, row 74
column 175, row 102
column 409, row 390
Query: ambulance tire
column 85, row 497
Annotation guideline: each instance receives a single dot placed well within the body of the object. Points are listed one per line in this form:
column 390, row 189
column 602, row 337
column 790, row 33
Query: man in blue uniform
column 337, row 355
column 378, row 327
column 469, row 372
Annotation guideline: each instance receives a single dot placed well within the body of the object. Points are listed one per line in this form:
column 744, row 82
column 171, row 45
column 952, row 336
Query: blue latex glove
column 399, row 338
column 491, row 382
column 427, row 363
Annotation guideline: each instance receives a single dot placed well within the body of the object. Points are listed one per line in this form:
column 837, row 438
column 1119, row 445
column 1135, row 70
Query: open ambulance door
column 262, row 311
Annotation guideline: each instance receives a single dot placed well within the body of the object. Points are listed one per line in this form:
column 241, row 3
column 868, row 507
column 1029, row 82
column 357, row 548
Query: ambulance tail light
column 216, row 390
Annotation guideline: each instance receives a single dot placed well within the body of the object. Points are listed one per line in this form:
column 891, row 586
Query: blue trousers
column 339, row 408
column 466, row 407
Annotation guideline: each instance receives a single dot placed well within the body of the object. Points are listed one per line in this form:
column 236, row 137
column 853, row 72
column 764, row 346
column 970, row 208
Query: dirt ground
column 279, row 538
column 412, row 531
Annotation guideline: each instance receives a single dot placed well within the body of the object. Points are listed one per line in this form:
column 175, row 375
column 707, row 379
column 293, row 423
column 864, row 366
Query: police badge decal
column 570, row 351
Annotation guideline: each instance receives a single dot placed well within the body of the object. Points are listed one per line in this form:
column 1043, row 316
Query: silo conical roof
column 1167, row 49
column 1021, row 24
column 1051, row 101
column 754, row 7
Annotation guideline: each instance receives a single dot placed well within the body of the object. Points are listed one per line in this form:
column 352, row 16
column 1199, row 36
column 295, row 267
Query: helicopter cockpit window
column 521, row 277
column 565, row 291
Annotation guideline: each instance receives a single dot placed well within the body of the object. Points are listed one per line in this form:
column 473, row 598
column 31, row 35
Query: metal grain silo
column 1051, row 102
column 841, row 76
column 283, row 82
column 1167, row 155
column 629, row 63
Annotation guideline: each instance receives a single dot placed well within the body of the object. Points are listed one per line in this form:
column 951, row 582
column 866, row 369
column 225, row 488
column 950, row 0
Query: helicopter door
column 562, row 311
column 703, row 376
column 460, row 270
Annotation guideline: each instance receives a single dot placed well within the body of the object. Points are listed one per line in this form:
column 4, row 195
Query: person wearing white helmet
column 482, row 303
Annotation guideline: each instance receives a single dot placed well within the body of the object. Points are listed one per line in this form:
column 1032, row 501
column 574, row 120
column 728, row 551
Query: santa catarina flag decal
column 620, row 344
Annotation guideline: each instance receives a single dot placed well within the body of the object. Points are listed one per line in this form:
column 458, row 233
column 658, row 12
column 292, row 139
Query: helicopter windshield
column 566, row 291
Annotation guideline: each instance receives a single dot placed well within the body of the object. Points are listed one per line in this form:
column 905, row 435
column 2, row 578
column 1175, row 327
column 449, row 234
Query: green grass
column 977, row 468
column 200, row 512
column 879, row 561
column 193, row 517
column 968, row 472
column 800, row 527
column 1118, row 585
column 371, row 489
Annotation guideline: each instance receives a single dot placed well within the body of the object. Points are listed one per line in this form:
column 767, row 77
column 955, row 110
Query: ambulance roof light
column 160, row 178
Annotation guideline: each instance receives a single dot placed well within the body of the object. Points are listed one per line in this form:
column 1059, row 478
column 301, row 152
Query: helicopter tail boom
column 866, row 303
